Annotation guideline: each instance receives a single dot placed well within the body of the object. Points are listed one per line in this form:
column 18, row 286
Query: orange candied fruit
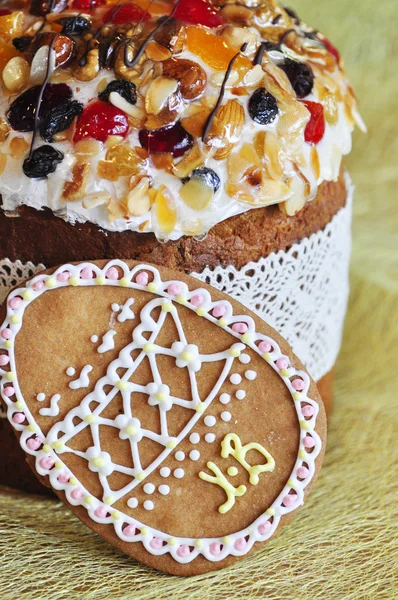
column 214, row 51
column 11, row 25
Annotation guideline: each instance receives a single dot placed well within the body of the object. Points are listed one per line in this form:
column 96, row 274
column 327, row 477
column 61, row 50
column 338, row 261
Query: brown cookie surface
column 171, row 420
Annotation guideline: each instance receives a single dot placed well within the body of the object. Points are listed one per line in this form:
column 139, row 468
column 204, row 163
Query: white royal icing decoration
column 240, row 394
column 108, row 343
column 194, row 438
column 165, row 472
column 210, row 420
column 53, row 411
column 94, row 339
column 149, row 505
column 70, row 371
column 180, row 455
column 164, row 489
column 235, row 379
column 149, row 488
column 225, row 398
column 41, row 397
column 244, row 359
column 152, row 317
column 132, row 502
column 126, row 312
column 250, row 375
column 210, row 437
column 194, row 455
column 83, row 380
column 226, row 416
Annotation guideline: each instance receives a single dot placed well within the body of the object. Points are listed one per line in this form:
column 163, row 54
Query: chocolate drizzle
column 40, row 96
column 222, row 92
column 268, row 46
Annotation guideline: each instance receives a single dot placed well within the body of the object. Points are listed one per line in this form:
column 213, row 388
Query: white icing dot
column 240, row 394
column 115, row 307
column 194, row 455
column 132, row 502
column 149, row 488
column 94, row 339
column 244, row 359
column 70, row 371
column 250, row 375
column 194, row 438
column 149, row 505
column 235, row 378
column 179, row 473
column 40, row 397
column 164, row 489
column 179, row 455
column 210, row 437
column 165, row 471
column 225, row 398
column 210, row 420
column 226, row 416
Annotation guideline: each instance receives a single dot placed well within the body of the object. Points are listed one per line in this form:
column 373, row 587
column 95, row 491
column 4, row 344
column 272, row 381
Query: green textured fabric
column 343, row 544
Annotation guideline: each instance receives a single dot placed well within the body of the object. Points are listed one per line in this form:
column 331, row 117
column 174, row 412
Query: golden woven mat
column 343, row 544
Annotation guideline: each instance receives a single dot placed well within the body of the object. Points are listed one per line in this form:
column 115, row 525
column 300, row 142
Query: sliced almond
column 190, row 161
column 218, row 79
column 226, row 128
column 158, row 94
column 272, row 150
column 74, row 189
column 157, row 52
column 138, row 200
column 88, row 147
column 95, row 199
column 315, row 162
column 113, row 140
column 130, row 109
column 237, row 36
column 254, row 76
column 18, row 147
column 240, row 15
column 16, row 74
column 195, row 123
column 3, row 162
column 4, row 131
column 116, row 210
column 297, row 200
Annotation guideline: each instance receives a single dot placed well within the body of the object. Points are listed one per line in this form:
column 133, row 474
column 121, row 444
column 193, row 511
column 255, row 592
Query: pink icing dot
column 39, row 285
column 6, row 333
column 309, row 441
column 156, row 543
column 219, row 311
column 240, row 327
column 215, row 549
column 8, row 392
column 183, row 550
column 282, row 363
column 298, row 384
column 34, row 443
column 64, row 276
column 240, row 544
column 86, row 273
column 77, row 493
column 129, row 531
column 15, row 302
column 197, row 300
column 47, row 462
column 112, row 273
column 63, row 477
column 264, row 527
column 4, row 360
column 142, row 278
column 174, row 289
column 264, row 347
column 290, row 500
column 303, row 472
column 101, row 512
column 308, row 410
column 18, row 418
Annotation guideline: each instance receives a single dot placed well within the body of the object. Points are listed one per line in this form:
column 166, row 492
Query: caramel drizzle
column 209, row 121
column 40, row 96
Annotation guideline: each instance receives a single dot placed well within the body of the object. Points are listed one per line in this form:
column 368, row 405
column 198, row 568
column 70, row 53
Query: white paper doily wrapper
column 302, row 293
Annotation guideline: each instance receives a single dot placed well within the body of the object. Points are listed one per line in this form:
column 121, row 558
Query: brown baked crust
column 42, row 237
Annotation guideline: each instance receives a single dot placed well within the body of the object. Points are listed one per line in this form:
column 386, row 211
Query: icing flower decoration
column 159, row 395
column 187, row 356
column 99, row 462
column 130, row 429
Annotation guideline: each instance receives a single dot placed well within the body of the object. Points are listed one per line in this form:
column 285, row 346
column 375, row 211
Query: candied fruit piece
column 315, row 129
column 6, row 53
column 199, row 12
column 99, row 120
column 214, row 51
column 172, row 139
column 120, row 14
column 11, row 25
column 166, row 212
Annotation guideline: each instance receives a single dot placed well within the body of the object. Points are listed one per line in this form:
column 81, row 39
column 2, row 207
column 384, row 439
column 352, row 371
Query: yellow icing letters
column 232, row 446
column 221, row 480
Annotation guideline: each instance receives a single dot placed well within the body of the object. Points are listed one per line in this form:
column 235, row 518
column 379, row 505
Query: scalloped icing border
column 265, row 525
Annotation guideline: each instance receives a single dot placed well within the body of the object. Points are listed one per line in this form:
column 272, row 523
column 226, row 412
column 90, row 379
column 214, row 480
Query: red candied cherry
column 126, row 13
column 329, row 46
column 99, row 120
column 4, row 11
column 315, row 129
column 199, row 12
column 172, row 139
column 86, row 5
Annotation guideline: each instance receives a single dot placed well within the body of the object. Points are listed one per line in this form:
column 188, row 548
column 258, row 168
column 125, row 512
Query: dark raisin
column 263, row 107
column 22, row 43
column 75, row 25
column 59, row 118
column 40, row 8
column 21, row 114
column 208, row 176
column 126, row 89
column 44, row 160
column 300, row 76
